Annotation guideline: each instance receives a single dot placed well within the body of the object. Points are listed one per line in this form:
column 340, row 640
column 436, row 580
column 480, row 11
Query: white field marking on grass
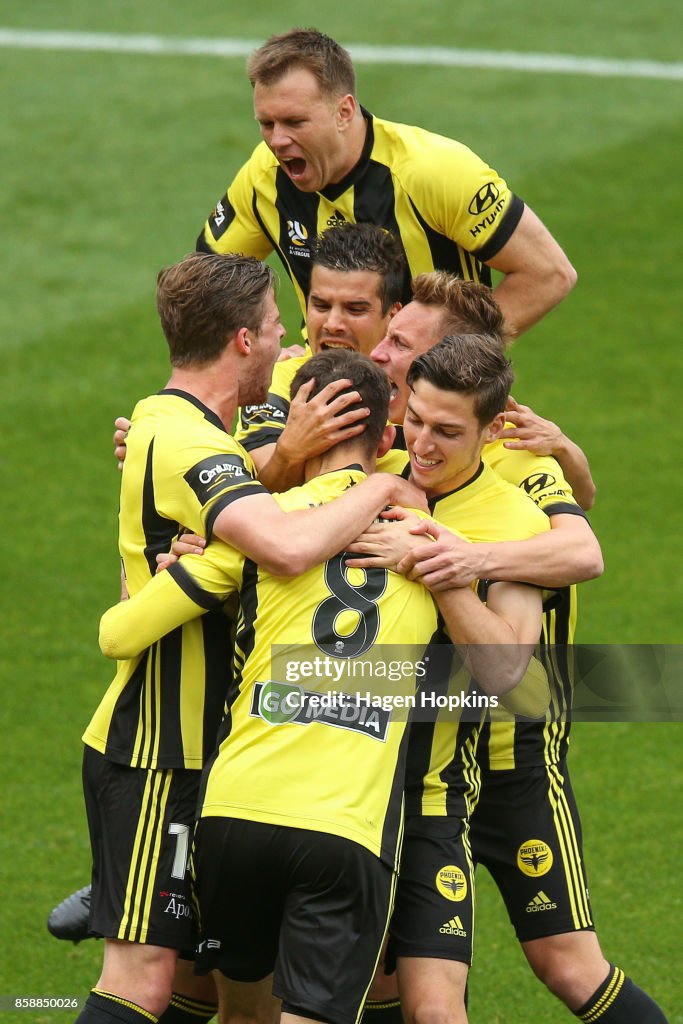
column 545, row 63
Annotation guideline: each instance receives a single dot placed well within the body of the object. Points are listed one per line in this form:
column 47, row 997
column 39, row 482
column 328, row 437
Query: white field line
column 545, row 63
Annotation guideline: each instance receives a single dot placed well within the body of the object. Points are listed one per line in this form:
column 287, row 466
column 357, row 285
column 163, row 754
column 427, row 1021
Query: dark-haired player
column 525, row 780
column 359, row 278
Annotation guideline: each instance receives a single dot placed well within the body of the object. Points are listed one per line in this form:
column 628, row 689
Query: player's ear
column 393, row 310
column 242, row 339
column 386, row 441
column 495, row 427
column 346, row 111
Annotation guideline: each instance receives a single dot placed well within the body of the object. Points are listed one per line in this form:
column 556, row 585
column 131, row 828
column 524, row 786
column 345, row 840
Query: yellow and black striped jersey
column 442, row 775
column 182, row 467
column 297, row 746
column 513, row 741
column 540, row 476
column 262, row 424
column 451, row 211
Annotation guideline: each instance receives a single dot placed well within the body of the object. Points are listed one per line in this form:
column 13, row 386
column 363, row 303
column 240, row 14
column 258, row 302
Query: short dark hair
column 205, row 298
column 350, row 247
column 371, row 383
column 472, row 364
column 469, row 307
column 329, row 63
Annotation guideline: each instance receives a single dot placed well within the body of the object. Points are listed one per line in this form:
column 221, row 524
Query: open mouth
column 328, row 344
column 422, row 463
column 295, row 166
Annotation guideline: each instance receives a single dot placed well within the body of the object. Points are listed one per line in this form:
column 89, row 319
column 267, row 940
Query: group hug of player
column 382, row 498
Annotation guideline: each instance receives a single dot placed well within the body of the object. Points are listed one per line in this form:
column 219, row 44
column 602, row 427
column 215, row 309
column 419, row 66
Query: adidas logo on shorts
column 453, row 927
column 540, row 902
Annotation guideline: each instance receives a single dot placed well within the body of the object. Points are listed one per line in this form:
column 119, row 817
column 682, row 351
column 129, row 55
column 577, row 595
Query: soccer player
column 157, row 723
column 458, row 392
column 525, row 784
column 358, row 279
column 525, row 827
column 324, row 160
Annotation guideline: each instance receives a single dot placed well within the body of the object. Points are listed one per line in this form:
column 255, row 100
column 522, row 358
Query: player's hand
column 186, row 544
column 385, row 544
column 120, row 434
column 530, row 432
column 444, row 561
column 403, row 492
column 291, row 352
column 315, row 424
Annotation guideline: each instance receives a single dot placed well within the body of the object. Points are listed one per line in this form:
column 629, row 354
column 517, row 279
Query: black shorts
column 526, row 831
column 434, row 913
column 140, row 822
column 310, row 907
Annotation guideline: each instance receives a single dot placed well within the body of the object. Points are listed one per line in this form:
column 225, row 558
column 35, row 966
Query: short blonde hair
column 468, row 306
column 329, row 63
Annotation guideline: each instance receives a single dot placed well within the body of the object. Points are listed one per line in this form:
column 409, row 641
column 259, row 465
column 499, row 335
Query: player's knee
column 158, row 996
column 561, row 975
column 155, row 984
column 152, row 993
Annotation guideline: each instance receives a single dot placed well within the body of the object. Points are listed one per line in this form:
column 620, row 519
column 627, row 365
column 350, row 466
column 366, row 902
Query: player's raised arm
column 538, row 275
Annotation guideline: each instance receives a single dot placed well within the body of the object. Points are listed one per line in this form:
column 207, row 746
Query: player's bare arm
column 497, row 639
column 538, row 275
column 289, row 543
column 543, row 437
column 567, row 553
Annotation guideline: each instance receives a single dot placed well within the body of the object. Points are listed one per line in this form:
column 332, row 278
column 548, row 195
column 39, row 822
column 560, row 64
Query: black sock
column 619, row 1001
column 185, row 1010
column 382, row 1011
column 106, row 1008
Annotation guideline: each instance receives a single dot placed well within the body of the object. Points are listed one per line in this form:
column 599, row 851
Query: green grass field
column 111, row 163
